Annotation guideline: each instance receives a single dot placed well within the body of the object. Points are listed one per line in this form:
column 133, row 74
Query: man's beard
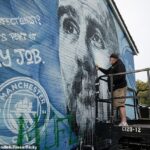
column 82, row 96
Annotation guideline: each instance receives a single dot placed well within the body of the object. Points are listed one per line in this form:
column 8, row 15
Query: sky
column 136, row 14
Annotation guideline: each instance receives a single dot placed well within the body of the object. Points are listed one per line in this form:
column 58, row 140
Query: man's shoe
column 122, row 124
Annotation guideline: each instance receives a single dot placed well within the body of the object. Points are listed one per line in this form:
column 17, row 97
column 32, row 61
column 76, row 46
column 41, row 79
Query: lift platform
column 108, row 135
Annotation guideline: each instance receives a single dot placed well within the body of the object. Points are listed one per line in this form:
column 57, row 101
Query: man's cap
column 114, row 56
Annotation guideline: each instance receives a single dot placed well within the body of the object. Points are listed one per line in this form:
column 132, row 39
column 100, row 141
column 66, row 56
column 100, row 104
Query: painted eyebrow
column 69, row 10
column 94, row 23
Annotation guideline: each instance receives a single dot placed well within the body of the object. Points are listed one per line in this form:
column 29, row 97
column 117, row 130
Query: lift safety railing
column 110, row 100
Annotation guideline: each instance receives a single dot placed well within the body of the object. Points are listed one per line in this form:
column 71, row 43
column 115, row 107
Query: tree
column 143, row 92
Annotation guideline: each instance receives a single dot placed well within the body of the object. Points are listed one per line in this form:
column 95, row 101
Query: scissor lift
column 108, row 135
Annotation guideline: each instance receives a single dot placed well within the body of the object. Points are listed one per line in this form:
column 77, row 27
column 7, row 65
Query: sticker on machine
column 26, row 98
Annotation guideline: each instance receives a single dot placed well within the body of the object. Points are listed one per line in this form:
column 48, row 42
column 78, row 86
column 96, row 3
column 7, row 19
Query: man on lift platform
column 119, row 85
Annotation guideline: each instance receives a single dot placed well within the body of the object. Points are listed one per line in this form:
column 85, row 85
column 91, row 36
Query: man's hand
column 97, row 67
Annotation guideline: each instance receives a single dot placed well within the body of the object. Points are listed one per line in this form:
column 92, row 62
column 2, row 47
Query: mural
column 87, row 37
column 48, row 52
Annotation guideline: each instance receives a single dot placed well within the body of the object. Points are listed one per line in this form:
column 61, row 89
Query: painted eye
column 97, row 40
column 70, row 27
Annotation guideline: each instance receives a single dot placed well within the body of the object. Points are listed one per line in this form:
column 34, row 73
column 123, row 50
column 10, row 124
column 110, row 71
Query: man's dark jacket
column 119, row 81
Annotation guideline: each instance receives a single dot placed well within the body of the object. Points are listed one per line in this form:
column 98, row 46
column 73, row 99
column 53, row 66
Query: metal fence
column 111, row 98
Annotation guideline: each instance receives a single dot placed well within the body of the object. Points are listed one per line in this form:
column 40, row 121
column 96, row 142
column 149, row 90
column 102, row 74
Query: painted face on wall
column 87, row 37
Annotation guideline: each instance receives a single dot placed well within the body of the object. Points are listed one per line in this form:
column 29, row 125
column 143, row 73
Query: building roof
column 123, row 26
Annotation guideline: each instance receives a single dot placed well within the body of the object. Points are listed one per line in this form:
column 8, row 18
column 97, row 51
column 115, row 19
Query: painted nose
column 82, row 53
